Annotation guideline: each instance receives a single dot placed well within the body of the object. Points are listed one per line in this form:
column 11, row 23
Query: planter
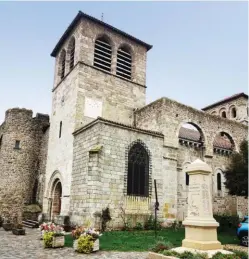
column 18, row 231
column 58, row 241
column 7, row 226
column 95, row 245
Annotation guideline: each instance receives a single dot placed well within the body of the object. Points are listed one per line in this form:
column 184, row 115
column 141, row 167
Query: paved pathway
column 30, row 247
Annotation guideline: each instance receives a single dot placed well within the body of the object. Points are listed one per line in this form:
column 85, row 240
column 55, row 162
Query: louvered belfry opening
column 71, row 53
column 103, row 54
column 63, row 63
column 138, row 171
column 124, row 62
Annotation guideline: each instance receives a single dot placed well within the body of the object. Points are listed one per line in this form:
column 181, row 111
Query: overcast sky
column 199, row 52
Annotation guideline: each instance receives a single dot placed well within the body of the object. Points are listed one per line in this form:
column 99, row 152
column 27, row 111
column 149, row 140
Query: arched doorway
column 56, row 198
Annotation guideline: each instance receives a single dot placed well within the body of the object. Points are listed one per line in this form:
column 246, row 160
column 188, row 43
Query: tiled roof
column 194, row 135
column 233, row 97
column 81, row 15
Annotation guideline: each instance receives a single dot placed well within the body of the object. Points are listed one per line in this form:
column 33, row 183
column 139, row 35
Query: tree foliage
column 236, row 174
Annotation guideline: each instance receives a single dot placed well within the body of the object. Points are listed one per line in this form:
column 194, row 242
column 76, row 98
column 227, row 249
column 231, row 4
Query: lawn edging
column 153, row 255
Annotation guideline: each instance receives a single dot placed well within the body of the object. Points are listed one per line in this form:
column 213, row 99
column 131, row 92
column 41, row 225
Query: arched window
column 187, row 179
column 219, row 181
column 233, row 112
column 138, row 171
column 223, row 114
column 103, row 54
column 71, row 50
column 124, row 62
column 62, row 63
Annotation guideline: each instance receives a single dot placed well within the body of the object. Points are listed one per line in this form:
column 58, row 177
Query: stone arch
column 202, row 132
column 56, row 198
column 191, row 135
column 223, row 112
column 71, row 52
column 128, row 47
column 218, row 190
column 184, row 171
column 103, row 53
column 125, row 62
column 138, row 141
column 233, row 111
column 56, row 175
column 224, row 146
column 105, row 37
column 62, row 64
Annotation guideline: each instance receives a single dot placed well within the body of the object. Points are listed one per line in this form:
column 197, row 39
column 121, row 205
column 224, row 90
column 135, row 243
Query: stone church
column 103, row 146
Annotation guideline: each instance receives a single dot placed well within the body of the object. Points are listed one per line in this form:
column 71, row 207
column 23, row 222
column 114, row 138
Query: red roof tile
column 194, row 135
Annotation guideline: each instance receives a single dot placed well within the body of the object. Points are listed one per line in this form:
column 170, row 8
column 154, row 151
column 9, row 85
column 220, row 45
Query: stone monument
column 200, row 226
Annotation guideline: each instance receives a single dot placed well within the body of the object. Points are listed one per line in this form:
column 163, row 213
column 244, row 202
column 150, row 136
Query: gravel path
column 30, row 247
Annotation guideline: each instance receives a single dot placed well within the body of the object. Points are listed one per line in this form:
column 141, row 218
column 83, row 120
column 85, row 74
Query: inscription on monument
column 194, row 189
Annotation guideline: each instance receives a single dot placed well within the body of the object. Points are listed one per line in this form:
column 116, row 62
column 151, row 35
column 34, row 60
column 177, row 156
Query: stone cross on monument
column 200, row 226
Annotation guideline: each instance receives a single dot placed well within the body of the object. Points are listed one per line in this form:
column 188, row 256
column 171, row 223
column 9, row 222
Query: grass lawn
column 143, row 240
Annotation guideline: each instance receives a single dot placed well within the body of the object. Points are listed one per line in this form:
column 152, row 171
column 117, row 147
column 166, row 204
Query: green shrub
column 48, row 239
column 85, row 244
column 227, row 222
column 139, row 226
column 225, row 256
column 160, row 246
column 150, row 224
column 240, row 254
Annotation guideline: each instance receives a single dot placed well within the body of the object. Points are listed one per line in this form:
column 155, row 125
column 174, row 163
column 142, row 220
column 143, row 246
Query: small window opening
column 102, row 54
column 17, row 144
column 223, row 114
column 72, row 50
column 187, row 179
column 63, row 63
column 219, row 182
column 233, row 111
column 1, row 141
column 124, row 62
column 60, row 129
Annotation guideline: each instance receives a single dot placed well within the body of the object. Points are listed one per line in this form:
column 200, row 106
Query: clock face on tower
column 93, row 108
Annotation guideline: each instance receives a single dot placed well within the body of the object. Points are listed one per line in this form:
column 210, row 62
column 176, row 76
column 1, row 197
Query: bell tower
column 100, row 71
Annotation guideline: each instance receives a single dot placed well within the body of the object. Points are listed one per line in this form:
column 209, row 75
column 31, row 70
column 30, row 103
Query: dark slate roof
column 81, row 15
column 231, row 98
column 194, row 135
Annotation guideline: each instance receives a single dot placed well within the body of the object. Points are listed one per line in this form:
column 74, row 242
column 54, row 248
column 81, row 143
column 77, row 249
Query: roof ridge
column 81, row 15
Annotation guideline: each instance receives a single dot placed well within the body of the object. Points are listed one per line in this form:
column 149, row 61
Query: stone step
column 29, row 224
column 33, row 222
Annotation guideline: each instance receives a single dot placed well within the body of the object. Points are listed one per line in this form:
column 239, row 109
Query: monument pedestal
column 200, row 226
column 201, row 234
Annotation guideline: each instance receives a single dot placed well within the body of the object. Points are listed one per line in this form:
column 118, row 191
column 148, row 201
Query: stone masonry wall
column 167, row 116
column 241, row 105
column 117, row 97
column 98, row 179
column 85, row 34
column 60, row 149
column 19, row 165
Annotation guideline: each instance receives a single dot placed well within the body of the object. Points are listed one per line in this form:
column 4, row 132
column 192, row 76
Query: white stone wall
column 98, row 179
column 60, row 150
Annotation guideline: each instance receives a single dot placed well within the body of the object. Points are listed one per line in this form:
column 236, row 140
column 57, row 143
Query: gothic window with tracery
column 138, row 171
